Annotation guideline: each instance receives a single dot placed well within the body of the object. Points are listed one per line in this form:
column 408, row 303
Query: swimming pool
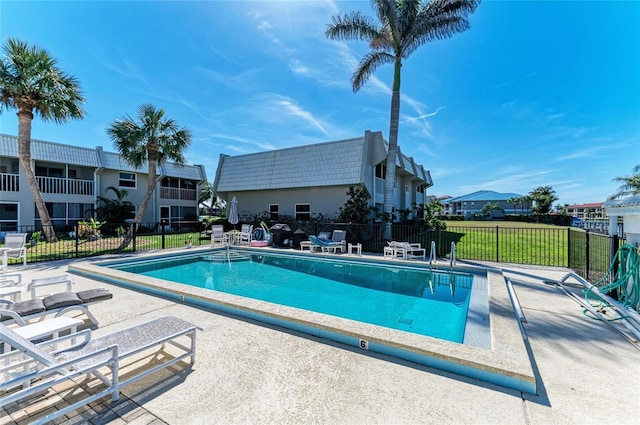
column 405, row 298
column 496, row 355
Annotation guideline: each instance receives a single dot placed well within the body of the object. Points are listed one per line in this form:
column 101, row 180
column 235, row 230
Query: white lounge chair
column 217, row 235
column 337, row 241
column 405, row 250
column 57, row 303
column 30, row 369
column 14, row 246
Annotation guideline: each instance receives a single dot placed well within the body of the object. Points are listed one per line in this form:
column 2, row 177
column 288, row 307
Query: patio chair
column 217, row 234
column 245, row 235
column 336, row 242
column 31, row 369
column 14, row 246
column 57, row 303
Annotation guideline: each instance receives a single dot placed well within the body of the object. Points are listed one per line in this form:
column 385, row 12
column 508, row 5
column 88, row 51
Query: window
column 303, row 212
column 273, row 212
column 80, row 211
column 381, row 171
column 406, row 187
column 8, row 217
column 420, row 188
column 127, row 179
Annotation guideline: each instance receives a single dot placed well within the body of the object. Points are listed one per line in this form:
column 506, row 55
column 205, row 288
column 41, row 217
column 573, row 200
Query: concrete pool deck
column 249, row 372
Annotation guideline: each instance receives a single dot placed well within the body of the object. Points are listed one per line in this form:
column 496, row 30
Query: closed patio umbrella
column 232, row 215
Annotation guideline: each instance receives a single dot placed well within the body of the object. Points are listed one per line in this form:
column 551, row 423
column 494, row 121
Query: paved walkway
column 247, row 373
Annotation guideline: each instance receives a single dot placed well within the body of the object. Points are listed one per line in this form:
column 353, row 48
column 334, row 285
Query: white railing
column 177, row 193
column 9, row 182
column 65, row 186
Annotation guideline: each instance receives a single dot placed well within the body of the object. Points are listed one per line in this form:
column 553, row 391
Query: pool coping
column 506, row 364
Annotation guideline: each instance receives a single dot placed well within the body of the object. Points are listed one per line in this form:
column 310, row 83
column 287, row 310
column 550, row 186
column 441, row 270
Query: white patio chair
column 14, row 244
column 217, row 235
column 245, row 235
column 35, row 370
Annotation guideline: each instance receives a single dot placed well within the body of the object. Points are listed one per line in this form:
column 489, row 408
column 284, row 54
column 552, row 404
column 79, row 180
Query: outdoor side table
column 356, row 246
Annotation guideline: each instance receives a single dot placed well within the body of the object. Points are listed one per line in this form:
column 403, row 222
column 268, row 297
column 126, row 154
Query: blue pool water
column 404, row 298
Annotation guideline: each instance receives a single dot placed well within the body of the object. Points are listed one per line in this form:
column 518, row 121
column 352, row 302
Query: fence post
column 77, row 230
column 162, row 232
column 586, row 253
column 497, row 245
column 569, row 247
column 613, row 251
column 134, row 233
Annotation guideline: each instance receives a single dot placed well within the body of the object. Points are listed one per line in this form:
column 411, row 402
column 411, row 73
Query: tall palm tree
column 153, row 139
column 630, row 185
column 32, row 83
column 402, row 27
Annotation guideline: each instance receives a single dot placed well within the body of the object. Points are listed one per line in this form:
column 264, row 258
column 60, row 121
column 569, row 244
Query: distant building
column 71, row 179
column 313, row 179
column 586, row 211
column 473, row 203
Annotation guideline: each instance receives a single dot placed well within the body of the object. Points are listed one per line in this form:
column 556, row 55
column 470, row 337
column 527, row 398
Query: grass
column 510, row 242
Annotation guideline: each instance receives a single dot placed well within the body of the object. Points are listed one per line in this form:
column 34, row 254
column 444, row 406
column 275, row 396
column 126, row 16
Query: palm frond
column 367, row 66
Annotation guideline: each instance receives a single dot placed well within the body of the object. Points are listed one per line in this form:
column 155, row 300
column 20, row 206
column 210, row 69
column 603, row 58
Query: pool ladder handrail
column 432, row 253
column 452, row 256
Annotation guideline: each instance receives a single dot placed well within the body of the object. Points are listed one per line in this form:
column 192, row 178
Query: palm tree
column 152, row 139
column 630, row 185
column 32, row 83
column 115, row 210
column 402, row 27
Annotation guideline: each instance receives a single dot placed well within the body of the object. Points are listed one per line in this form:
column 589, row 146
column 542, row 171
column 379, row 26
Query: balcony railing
column 177, row 193
column 65, row 186
column 9, row 182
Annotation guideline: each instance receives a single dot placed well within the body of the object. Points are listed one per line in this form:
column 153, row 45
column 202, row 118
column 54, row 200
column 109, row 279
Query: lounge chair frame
column 90, row 356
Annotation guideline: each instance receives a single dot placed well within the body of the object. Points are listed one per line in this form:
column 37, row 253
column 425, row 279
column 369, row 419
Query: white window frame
column 135, row 180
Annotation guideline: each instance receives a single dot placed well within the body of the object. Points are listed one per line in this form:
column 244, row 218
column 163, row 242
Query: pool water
column 409, row 299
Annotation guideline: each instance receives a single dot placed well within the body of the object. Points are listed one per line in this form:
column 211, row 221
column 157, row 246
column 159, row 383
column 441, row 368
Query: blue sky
column 542, row 93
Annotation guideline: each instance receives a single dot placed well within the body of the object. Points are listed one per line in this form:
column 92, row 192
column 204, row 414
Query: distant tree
column 402, row 27
column 630, row 185
column 543, row 197
column 356, row 208
column 32, row 83
column 514, row 200
column 561, row 209
column 115, row 210
column 432, row 211
column 153, row 139
column 206, row 194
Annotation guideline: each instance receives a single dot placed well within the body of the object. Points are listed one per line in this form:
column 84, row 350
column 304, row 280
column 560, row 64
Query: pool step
column 226, row 256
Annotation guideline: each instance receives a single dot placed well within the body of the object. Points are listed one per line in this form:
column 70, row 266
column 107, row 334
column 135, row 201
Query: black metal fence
column 588, row 254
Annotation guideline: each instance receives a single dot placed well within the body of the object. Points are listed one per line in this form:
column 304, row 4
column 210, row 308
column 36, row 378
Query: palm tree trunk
column 24, row 155
column 151, row 185
column 390, row 178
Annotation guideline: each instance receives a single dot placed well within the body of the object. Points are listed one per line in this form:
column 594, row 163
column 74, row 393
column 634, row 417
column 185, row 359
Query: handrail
column 624, row 313
column 452, row 261
column 432, row 253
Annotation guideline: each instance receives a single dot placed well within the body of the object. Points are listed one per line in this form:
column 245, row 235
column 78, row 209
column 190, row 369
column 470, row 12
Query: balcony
column 177, row 193
column 9, row 182
column 65, row 186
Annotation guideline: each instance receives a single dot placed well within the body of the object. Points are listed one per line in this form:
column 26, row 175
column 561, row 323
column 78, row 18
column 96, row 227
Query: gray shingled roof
column 67, row 154
column 51, row 152
column 322, row 164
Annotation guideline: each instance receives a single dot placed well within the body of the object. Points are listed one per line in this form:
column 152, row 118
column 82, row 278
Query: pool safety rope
column 625, row 282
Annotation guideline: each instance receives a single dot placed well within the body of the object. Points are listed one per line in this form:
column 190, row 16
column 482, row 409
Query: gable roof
column 337, row 163
column 484, row 195
column 342, row 162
